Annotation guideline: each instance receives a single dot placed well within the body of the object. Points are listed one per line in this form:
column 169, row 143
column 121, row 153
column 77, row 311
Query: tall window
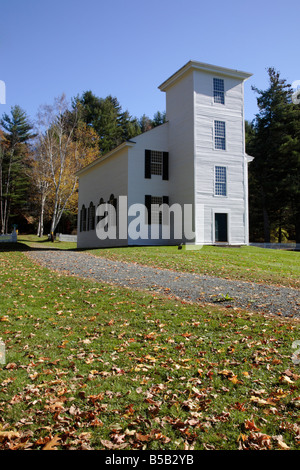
column 112, row 221
column 156, row 215
column 91, row 217
column 99, row 217
column 220, row 138
column 219, row 91
column 220, row 181
column 83, row 219
column 152, row 203
column 156, row 163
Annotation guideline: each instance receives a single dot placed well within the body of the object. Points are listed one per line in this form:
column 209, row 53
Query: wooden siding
column 188, row 137
column 108, row 177
column 138, row 185
column 233, row 158
column 180, row 113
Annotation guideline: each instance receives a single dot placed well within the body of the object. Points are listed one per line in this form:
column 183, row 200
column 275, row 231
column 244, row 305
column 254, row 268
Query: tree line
column 39, row 161
column 273, row 139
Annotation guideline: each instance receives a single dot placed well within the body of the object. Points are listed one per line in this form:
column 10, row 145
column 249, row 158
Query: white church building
column 194, row 164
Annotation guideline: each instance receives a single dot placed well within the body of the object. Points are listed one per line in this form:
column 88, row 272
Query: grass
column 33, row 241
column 245, row 263
column 91, row 366
column 277, row 267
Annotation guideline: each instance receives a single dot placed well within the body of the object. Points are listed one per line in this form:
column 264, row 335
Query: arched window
column 113, row 220
column 83, row 219
column 99, row 217
column 91, row 217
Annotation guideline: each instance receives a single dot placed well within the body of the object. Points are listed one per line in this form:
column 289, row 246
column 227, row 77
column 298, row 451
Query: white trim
column 214, row 135
column 213, row 98
column 226, row 168
column 193, row 65
column 104, row 157
column 221, row 211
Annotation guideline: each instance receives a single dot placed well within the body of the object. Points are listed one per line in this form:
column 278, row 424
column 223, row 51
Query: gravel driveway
column 187, row 286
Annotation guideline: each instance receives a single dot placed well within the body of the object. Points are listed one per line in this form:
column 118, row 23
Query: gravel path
column 190, row 287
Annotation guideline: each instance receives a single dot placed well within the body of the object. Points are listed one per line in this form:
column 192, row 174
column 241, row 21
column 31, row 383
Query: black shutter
column 80, row 227
column 83, row 219
column 88, row 218
column 115, row 204
column 148, row 207
column 147, row 163
column 165, row 165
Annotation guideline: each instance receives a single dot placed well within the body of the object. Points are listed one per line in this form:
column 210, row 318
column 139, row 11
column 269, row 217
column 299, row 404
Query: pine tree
column 290, row 167
column 275, row 146
column 14, row 183
column 159, row 118
column 105, row 115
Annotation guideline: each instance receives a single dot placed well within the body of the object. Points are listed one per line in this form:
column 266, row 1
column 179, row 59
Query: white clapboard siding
column 188, row 137
column 180, row 114
column 138, row 185
column 105, row 177
column 206, row 157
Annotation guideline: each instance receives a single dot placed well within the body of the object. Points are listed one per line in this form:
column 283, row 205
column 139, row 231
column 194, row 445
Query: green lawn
column 91, row 366
column 277, row 267
column 245, row 263
column 33, row 241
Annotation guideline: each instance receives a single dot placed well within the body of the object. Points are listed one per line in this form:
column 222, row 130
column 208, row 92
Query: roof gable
column 193, row 65
column 99, row 160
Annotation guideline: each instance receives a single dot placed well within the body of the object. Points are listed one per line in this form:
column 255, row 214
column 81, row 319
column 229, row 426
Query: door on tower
column 221, row 227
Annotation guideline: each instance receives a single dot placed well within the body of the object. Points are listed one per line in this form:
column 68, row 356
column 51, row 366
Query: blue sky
column 127, row 48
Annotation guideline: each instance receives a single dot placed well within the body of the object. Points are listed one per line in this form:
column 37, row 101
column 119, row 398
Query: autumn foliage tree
column 64, row 145
column 38, row 167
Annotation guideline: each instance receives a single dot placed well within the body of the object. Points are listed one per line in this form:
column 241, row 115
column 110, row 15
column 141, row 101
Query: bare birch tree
column 65, row 145
column 41, row 180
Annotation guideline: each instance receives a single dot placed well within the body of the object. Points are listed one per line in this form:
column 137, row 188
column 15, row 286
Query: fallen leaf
column 51, row 445
column 280, row 443
column 251, row 425
column 8, row 435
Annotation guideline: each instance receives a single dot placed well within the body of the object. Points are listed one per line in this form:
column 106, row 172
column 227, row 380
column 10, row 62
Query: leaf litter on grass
column 91, row 366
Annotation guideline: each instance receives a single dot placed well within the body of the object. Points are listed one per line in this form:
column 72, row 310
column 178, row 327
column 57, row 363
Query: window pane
column 220, row 181
column 156, row 215
column 220, row 135
column 91, row 221
column 156, row 162
column 219, row 90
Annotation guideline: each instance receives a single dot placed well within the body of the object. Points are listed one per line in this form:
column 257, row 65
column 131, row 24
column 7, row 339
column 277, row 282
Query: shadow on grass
column 19, row 246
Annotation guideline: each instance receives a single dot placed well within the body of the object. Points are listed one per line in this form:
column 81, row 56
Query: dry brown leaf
column 51, row 445
column 251, row 425
column 142, row 437
column 8, row 435
column 282, row 445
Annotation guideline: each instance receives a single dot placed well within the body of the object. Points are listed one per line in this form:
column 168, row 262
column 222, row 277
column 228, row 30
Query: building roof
column 193, row 65
column 128, row 143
